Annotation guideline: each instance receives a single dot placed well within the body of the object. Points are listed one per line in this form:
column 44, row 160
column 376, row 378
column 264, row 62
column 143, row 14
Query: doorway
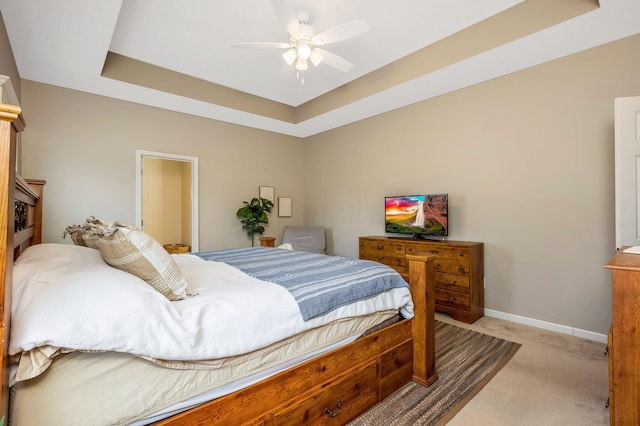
column 166, row 197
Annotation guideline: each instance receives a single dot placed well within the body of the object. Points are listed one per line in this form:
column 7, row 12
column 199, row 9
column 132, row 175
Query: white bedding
column 67, row 298
column 108, row 388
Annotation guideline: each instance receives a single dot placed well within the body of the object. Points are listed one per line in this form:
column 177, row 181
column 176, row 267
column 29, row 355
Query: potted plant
column 253, row 214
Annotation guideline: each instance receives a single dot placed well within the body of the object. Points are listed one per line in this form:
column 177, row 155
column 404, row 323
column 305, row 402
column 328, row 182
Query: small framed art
column 267, row 192
column 284, row 206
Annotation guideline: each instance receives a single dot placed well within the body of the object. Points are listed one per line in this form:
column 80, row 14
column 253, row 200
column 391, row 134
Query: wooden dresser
column 624, row 340
column 459, row 270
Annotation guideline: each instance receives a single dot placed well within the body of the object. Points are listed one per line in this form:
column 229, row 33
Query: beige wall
column 527, row 161
column 85, row 147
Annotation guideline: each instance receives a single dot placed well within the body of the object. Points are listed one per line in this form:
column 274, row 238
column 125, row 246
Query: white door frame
column 140, row 154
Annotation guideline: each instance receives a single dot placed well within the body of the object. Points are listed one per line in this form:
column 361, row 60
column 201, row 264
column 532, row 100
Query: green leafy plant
column 253, row 214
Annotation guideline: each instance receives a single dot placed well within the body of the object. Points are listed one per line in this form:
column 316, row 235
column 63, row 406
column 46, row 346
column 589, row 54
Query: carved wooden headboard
column 20, row 226
column 27, row 223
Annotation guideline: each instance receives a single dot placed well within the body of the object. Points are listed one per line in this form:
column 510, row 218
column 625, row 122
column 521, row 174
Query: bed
column 329, row 384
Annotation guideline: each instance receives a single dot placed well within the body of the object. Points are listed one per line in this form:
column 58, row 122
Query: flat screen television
column 422, row 216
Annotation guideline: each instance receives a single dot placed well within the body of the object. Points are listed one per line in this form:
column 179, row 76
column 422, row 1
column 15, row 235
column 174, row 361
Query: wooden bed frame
column 330, row 389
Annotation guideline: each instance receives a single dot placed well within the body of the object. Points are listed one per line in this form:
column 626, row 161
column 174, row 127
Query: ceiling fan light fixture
column 290, row 56
column 303, row 45
column 301, row 64
column 316, row 57
column 304, row 51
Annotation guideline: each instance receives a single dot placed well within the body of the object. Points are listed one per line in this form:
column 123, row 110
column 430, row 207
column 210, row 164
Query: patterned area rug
column 465, row 361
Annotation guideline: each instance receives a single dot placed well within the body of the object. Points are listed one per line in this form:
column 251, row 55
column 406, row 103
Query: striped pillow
column 137, row 253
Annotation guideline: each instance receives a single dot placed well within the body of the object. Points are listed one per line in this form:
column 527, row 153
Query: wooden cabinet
column 267, row 241
column 624, row 340
column 459, row 270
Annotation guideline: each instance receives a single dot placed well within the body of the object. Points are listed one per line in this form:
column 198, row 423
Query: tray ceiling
column 178, row 55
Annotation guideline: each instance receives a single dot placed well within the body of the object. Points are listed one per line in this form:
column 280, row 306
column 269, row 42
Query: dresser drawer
column 337, row 403
column 452, row 299
column 382, row 248
column 397, row 263
column 387, row 252
column 452, row 282
column 452, row 266
column 441, row 250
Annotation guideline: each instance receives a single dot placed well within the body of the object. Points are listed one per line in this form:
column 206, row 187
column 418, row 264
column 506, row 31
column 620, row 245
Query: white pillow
column 61, row 254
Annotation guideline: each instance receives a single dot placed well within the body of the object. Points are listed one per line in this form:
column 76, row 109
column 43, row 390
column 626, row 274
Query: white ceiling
column 65, row 43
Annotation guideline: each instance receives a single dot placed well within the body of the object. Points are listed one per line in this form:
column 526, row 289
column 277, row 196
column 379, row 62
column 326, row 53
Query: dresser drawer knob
column 436, row 266
column 452, row 299
column 334, row 413
column 434, row 251
column 461, row 254
column 461, row 268
column 379, row 246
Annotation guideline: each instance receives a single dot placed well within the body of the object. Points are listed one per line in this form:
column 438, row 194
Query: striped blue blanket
column 319, row 283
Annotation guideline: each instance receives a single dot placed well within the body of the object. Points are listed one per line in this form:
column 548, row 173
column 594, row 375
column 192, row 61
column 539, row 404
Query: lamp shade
column 290, row 56
column 316, row 57
column 301, row 64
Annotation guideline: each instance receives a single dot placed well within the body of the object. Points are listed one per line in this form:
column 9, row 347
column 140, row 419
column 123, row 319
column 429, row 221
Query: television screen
column 421, row 215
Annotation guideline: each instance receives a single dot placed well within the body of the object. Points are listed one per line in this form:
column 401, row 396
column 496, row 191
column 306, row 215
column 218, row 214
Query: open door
column 627, row 171
column 166, row 205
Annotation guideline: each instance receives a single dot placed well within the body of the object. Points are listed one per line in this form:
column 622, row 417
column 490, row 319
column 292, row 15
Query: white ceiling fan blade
column 341, row 32
column 261, row 45
column 287, row 16
column 334, row 60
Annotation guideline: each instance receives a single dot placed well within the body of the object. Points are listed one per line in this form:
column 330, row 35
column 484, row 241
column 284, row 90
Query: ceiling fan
column 302, row 47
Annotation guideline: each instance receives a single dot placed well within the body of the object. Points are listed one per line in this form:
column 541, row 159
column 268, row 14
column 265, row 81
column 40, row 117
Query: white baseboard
column 559, row 328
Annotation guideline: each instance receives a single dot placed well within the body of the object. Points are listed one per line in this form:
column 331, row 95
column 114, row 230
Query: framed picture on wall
column 267, row 192
column 284, row 206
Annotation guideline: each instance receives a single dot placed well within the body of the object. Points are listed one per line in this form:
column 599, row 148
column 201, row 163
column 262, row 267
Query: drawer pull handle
column 451, row 283
column 434, row 251
column 334, row 413
column 461, row 254
column 461, row 268
column 452, row 299
column 436, row 266
column 379, row 246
